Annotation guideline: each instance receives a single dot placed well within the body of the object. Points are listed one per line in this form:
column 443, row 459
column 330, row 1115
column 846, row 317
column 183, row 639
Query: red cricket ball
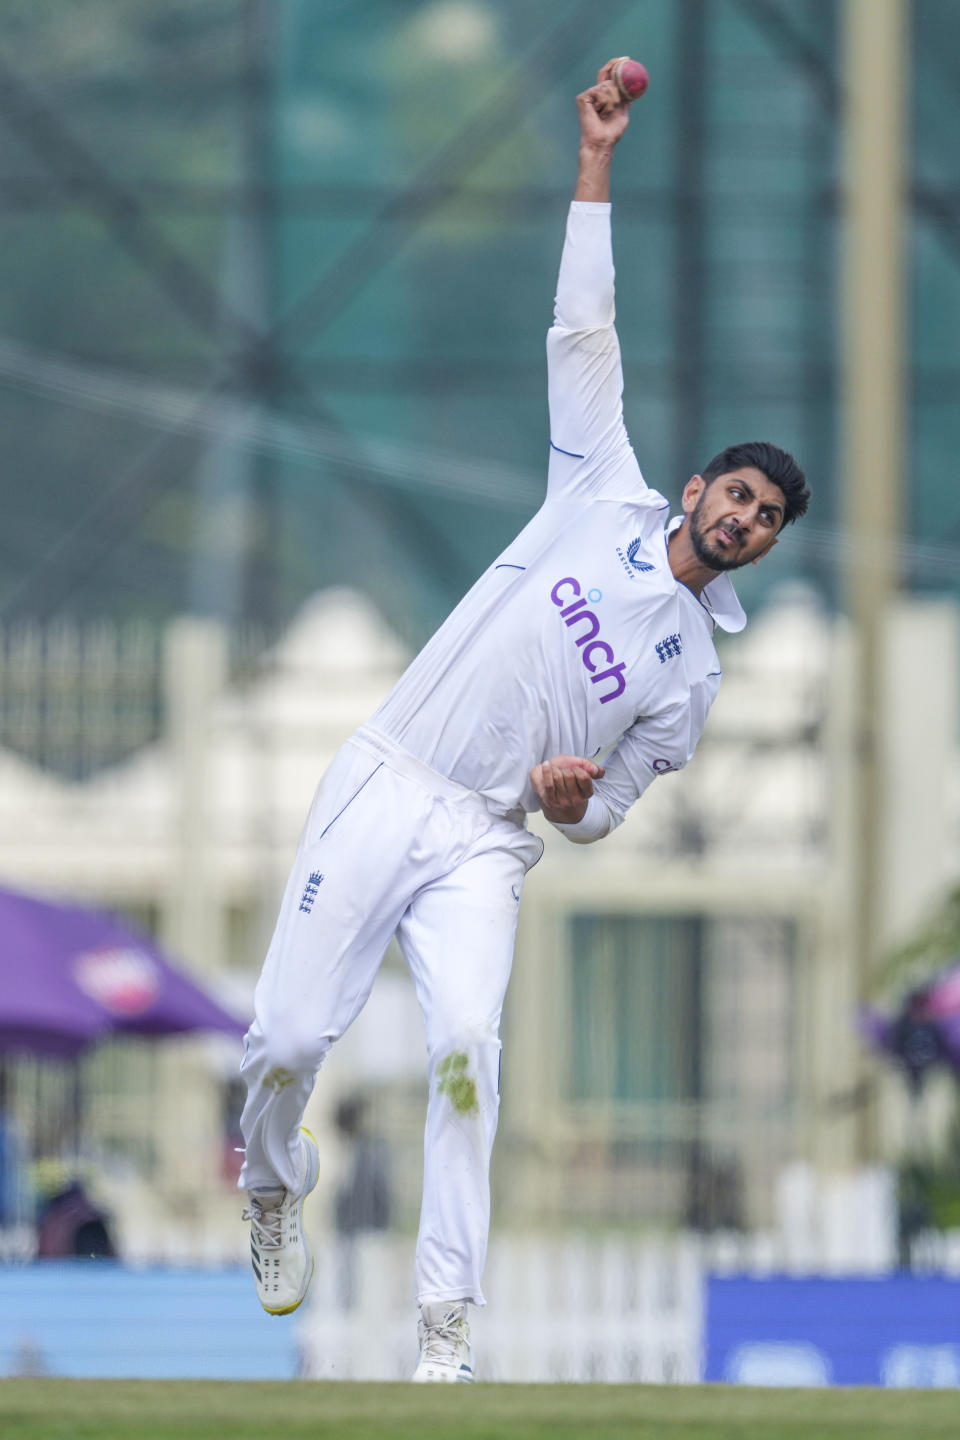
column 631, row 78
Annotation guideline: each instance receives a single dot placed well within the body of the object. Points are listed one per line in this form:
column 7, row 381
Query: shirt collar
column 718, row 598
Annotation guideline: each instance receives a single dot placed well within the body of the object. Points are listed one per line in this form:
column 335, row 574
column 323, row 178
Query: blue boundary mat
column 100, row 1319
column 901, row 1331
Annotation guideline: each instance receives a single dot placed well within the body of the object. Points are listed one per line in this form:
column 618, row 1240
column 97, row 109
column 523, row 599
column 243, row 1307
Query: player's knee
column 465, row 1070
column 470, row 1044
column 287, row 1046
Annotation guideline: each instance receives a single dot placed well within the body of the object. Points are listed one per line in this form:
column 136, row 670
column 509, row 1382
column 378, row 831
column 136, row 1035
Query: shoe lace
column 440, row 1341
column 266, row 1222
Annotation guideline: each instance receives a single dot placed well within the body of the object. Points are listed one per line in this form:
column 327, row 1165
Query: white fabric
column 594, row 825
column 554, row 649
column 576, row 640
column 398, row 849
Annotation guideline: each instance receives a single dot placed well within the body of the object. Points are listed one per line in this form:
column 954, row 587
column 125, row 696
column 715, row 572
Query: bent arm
column 653, row 746
column 564, row 785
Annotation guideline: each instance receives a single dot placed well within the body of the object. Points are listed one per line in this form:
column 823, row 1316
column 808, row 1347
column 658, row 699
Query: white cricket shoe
column 444, row 1344
column 279, row 1249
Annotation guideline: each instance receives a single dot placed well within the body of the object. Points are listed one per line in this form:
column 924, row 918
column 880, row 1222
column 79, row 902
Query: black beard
column 705, row 553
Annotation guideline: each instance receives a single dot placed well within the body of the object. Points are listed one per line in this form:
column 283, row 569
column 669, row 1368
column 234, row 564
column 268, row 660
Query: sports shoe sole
column 462, row 1376
column 312, row 1176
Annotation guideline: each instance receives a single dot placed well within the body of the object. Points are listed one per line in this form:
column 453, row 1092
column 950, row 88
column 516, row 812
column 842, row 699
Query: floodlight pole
column 877, row 57
column 234, row 558
column 689, row 239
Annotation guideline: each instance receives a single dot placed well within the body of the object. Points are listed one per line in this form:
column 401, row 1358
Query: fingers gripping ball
column 619, row 83
column 630, row 78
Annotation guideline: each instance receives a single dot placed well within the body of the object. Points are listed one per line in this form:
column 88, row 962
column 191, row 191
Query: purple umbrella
column 924, row 1031
column 70, row 977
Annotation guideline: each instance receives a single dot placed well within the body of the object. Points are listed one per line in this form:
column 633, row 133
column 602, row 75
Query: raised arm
column 604, row 117
column 590, row 451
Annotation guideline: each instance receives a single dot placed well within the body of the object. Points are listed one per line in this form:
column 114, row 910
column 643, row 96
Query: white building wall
column 203, row 823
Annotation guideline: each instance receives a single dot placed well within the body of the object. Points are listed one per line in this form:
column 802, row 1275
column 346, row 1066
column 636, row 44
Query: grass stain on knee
column 454, row 1082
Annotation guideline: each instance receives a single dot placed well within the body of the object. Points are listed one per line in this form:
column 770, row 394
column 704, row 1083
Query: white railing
column 610, row 1308
column 561, row 1309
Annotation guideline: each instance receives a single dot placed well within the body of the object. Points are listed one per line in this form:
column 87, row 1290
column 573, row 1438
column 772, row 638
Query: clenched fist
column 564, row 784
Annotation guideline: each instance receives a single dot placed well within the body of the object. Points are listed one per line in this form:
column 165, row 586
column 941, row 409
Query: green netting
column 277, row 276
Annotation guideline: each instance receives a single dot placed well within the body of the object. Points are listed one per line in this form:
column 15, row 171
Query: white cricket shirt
column 577, row 640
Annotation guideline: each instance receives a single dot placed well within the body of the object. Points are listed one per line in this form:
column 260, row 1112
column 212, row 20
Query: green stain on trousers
column 453, row 1081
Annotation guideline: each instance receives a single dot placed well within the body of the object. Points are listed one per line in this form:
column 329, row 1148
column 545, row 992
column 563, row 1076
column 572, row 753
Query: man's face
column 734, row 520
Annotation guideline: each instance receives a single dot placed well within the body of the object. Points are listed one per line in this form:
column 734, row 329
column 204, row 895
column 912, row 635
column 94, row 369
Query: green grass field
column 202, row 1410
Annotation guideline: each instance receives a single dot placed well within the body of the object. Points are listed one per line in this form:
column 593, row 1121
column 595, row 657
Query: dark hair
column 780, row 469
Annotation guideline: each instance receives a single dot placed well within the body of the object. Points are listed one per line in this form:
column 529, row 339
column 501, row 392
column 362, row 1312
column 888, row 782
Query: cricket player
column 578, row 668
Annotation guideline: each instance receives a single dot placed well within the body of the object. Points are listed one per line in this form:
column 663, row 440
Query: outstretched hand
column 564, row 784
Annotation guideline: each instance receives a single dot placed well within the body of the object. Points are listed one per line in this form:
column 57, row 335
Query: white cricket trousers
column 391, row 846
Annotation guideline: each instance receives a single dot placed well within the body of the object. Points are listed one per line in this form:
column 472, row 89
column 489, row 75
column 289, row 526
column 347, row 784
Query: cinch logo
column 630, row 562
column 669, row 648
column 310, row 891
column 587, row 642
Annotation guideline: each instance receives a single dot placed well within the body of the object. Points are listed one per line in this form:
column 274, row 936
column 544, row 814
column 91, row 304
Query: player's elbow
column 588, row 330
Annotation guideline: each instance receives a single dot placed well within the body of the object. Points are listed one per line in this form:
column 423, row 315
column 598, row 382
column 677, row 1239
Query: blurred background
column 276, row 279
